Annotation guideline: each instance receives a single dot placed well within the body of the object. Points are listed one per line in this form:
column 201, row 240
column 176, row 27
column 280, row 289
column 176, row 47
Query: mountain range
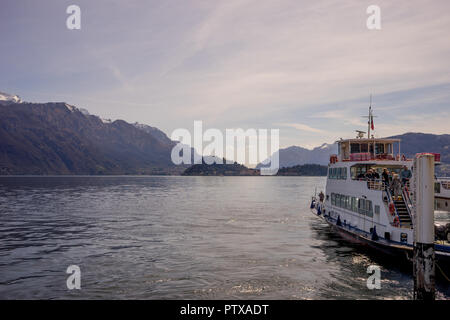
column 58, row 138
column 294, row 155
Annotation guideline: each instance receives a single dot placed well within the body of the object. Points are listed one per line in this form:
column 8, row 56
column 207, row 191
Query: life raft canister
column 391, row 208
column 333, row 158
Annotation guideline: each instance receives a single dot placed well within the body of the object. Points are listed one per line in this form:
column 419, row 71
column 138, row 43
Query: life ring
column 391, row 208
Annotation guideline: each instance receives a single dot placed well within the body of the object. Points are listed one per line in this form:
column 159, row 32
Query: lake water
column 180, row 238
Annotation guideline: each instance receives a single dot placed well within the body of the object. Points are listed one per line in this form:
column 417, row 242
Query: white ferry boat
column 362, row 207
column 442, row 194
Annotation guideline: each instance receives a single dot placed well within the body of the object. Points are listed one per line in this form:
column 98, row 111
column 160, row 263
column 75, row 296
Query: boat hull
column 390, row 248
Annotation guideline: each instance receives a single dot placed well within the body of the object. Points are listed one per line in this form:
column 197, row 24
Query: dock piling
column 423, row 196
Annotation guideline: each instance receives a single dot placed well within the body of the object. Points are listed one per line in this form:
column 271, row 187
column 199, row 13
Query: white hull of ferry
column 388, row 247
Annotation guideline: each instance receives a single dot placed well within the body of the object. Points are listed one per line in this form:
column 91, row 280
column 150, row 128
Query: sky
column 307, row 68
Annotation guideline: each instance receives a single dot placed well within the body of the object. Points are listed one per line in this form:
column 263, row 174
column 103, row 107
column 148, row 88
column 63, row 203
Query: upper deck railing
column 365, row 156
column 445, row 182
column 380, row 184
column 368, row 156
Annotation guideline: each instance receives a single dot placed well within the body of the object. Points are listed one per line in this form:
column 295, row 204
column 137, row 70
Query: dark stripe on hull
column 355, row 238
column 399, row 251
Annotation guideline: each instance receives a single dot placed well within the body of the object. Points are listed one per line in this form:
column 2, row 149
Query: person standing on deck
column 405, row 175
column 321, row 196
column 375, row 174
column 369, row 175
column 396, row 186
column 385, row 176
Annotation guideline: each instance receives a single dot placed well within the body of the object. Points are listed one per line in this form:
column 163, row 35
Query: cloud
column 235, row 63
column 342, row 115
column 302, row 127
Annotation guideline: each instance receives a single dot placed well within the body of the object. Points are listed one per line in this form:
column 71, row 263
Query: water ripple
column 179, row 238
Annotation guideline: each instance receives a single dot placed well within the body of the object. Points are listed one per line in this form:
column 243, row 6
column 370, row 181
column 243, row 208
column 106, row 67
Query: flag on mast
column 371, row 122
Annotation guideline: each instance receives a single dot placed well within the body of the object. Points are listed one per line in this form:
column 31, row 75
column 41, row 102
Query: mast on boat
column 370, row 119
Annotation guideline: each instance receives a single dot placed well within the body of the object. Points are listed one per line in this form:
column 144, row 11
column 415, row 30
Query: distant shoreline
column 207, row 170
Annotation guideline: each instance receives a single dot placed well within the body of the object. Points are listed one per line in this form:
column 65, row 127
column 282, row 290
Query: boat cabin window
column 337, row 173
column 365, row 207
column 377, row 209
column 437, row 187
column 389, row 149
column 359, row 205
column 360, row 148
column 358, row 172
column 355, row 204
column 369, row 209
column 379, row 148
column 355, row 148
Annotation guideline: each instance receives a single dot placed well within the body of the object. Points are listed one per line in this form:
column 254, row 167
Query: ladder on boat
column 403, row 213
column 402, row 208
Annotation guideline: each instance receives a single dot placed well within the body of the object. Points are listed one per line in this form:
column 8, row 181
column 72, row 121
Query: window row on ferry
column 358, row 205
column 337, row 173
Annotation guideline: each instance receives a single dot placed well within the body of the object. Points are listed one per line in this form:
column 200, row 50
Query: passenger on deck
column 396, row 186
column 375, row 174
column 321, row 196
column 405, row 174
column 369, row 178
column 361, row 176
column 369, row 175
column 391, row 175
column 385, row 176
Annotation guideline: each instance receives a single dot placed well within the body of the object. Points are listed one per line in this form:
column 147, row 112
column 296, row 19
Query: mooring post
column 423, row 196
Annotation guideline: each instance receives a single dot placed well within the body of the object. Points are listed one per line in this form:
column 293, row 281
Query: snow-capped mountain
column 59, row 138
column 155, row 132
column 294, row 155
column 84, row 111
column 9, row 98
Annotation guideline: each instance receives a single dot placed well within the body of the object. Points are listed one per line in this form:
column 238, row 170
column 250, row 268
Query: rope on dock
column 442, row 272
column 408, row 258
column 445, row 276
